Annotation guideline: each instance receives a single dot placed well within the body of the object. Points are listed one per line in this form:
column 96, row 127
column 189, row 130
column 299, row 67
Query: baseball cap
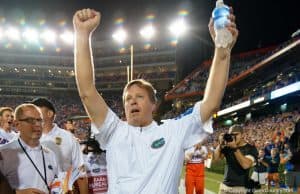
column 43, row 102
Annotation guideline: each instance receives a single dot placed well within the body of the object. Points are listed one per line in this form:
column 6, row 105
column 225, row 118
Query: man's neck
column 48, row 127
column 31, row 142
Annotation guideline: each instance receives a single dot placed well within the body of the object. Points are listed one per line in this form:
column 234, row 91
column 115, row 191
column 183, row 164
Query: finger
column 86, row 14
column 210, row 21
column 96, row 14
column 78, row 15
column 211, row 28
column 211, row 24
column 231, row 17
column 233, row 31
column 231, row 25
column 81, row 15
column 89, row 13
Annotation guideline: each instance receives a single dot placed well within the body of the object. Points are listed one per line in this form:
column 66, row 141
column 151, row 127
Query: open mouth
column 134, row 111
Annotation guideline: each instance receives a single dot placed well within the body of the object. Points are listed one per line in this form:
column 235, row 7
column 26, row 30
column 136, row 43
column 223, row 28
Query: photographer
column 240, row 157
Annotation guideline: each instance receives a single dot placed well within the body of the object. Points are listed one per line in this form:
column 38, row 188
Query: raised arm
column 85, row 22
column 219, row 72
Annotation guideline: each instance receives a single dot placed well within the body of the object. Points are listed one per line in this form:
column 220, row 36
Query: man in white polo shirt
column 142, row 156
column 24, row 163
column 6, row 125
column 62, row 142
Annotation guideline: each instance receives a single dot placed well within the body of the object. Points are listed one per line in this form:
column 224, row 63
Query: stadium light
column 67, row 37
column 120, row 35
column 13, row 33
column 1, row 34
column 147, row 32
column 178, row 27
column 49, row 36
column 31, row 35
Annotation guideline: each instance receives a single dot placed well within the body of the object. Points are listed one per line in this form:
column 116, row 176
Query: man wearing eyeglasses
column 240, row 157
column 62, row 142
column 28, row 166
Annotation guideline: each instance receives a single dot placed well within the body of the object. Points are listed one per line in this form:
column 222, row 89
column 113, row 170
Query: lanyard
column 36, row 168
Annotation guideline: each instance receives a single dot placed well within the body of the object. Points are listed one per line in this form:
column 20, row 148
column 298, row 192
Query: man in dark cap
column 240, row 157
column 62, row 142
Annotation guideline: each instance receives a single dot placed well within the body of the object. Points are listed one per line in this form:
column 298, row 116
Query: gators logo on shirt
column 158, row 143
column 58, row 140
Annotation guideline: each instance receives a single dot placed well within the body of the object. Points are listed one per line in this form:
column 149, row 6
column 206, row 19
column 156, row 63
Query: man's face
column 30, row 124
column 69, row 126
column 47, row 114
column 237, row 136
column 138, row 106
column 261, row 153
column 7, row 120
column 273, row 152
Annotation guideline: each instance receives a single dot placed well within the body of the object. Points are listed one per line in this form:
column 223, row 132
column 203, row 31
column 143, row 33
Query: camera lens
column 228, row 137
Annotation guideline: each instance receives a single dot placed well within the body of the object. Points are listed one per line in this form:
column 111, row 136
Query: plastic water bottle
column 220, row 16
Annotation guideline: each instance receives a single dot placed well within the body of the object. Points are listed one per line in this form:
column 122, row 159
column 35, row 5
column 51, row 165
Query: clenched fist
column 86, row 21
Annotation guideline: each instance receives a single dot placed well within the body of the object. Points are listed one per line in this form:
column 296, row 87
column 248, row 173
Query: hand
column 231, row 27
column 232, row 144
column 86, row 20
column 29, row 191
column 221, row 139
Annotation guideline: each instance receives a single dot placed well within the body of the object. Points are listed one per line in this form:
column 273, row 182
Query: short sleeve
column 189, row 128
column 105, row 132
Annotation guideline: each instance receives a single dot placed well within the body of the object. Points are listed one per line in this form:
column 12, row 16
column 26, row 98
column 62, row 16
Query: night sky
column 261, row 22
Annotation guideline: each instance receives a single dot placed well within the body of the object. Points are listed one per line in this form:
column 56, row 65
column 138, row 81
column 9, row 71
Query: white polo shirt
column 65, row 146
column 148, row 160
column 20, row 172
column 6, row 137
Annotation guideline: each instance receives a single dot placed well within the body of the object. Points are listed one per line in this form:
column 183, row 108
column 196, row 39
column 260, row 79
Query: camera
column 228, row 137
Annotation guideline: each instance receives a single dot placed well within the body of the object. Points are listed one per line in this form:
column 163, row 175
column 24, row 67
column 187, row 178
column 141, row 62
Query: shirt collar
column 53, row 130
column 153, row 124
column 28, row 148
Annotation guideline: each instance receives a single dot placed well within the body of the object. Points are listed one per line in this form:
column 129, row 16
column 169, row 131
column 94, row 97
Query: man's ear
column 50, row 113
column 154, row 108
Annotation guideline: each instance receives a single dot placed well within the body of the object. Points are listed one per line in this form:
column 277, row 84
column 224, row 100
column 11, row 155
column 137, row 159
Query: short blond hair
column 5, row 108
column 142, row 84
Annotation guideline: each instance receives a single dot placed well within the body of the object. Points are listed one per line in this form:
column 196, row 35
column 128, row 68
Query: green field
column 214, row 176
column 213, row 180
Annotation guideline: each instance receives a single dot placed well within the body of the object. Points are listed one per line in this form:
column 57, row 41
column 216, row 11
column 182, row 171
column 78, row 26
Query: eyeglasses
column 32, row 121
